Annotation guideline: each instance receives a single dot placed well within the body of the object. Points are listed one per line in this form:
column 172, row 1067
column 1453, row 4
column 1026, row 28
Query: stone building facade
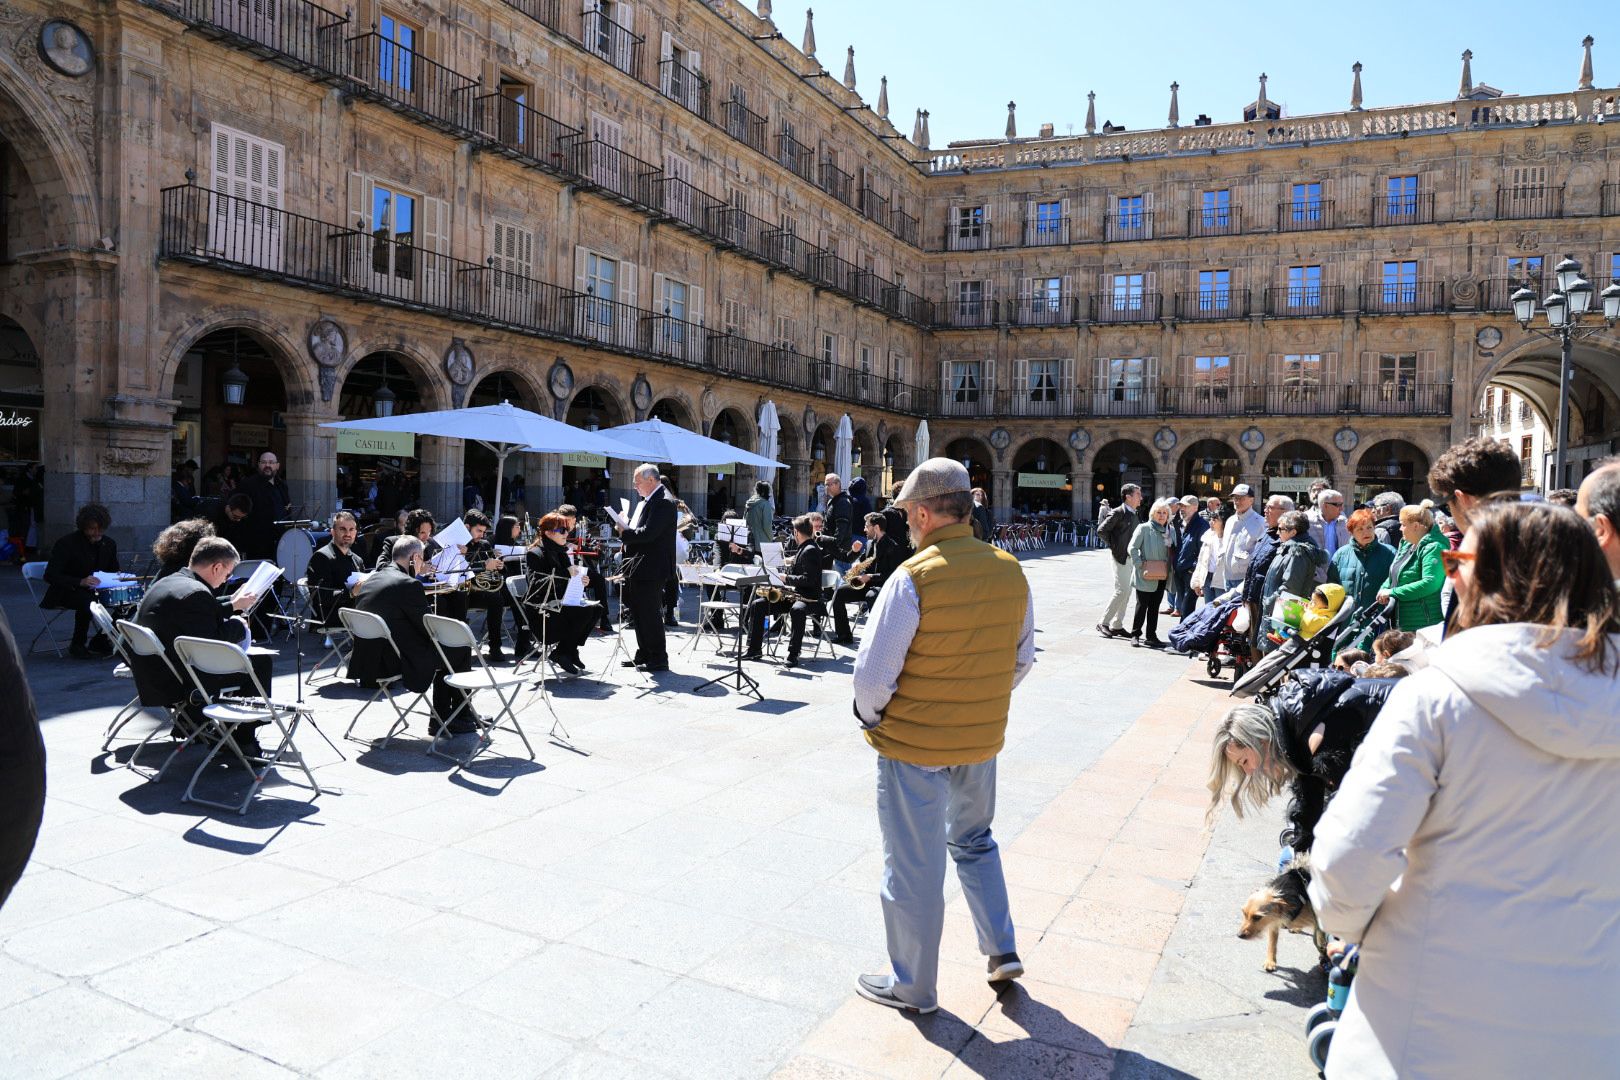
column 615, row 210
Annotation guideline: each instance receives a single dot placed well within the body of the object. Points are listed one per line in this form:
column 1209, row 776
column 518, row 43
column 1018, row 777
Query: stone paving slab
column 688, row 892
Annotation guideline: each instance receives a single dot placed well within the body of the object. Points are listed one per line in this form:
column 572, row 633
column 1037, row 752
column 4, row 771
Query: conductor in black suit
column 649, row 552
column 394, row 593
column 184, row 604
column 331, row 566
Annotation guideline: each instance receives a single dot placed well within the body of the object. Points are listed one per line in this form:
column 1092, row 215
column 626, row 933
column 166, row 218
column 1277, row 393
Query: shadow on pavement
column 1129, row 1065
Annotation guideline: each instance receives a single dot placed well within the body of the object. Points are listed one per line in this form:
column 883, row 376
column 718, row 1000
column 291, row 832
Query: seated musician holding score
column 549, row 570
column 863, row 588
column 329, row 570
column 481, row 557
column 803, row 577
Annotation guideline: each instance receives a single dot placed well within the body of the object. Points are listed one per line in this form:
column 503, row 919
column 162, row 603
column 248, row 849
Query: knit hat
column 936, row 476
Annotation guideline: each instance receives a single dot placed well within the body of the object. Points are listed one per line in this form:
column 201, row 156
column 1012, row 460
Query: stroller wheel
column 1214, row 666
column 1320, row 1013
column 1320, row 1043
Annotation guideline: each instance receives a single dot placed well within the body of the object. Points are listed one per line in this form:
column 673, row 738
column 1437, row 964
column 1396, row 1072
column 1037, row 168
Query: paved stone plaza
column 689, row 893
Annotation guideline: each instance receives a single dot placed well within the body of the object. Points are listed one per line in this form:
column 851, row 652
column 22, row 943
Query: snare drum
column 121, row 596
column 294, row 549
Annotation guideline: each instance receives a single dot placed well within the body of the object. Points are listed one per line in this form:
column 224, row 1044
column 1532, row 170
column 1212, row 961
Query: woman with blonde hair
column 1247, row 760
column 1488, row 789
column 1416, row 577
column 1149, row 556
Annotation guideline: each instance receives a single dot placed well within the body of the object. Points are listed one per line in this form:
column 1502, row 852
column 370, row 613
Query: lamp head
column 234, row 384
column 1566, row 273
column 1557, row 308
column 1524, row 305
column 1611, row 302
column 383, row 401
column 1579, row 294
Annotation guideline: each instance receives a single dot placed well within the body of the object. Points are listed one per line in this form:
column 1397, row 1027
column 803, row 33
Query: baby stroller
column 1221, row 629
column 1323, row 1020
column 1317, row 651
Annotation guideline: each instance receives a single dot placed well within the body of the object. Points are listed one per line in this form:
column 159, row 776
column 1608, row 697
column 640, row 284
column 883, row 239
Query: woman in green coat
column 1417, row 575
column 1148, row 545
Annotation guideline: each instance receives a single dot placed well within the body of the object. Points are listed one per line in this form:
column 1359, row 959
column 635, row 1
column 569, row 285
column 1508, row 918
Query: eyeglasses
column 1339, row 504
column 1453, row 560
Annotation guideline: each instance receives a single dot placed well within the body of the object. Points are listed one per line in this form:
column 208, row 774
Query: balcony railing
column 968, row 236
column 408, row 82
column 907, row 305
column 1304, row 215
column 684, row 86
column 1304, row 301
column 1128, row 225
column 1414, row 208
column 904, row 226
column 1208, row 305
column 1216, row 399
column 1044, row 311
column 745, row 125
column 1403, row 298
column 695, row 209
column 960, row 314
column 296, row 32
column 615, row 172
column 1535, row 201
column 523, row 132
column 1214, row 221
column 874, row 206
column 616, row 44
column 835, row 272
column 547, row 13
column 836, row 182
column 1045, row 231
column 796, row 157
column 1140, row 307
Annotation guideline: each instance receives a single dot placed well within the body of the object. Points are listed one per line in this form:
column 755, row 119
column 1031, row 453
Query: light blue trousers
column 923, row 813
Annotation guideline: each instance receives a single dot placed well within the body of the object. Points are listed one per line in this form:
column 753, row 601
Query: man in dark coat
column 184, row 604
column 886, row 556
column 330, row 568
column 840, row 514
column 895, row 526
column 649, row 552
column 270, row 503
column 1185, row 557
column 393, row 593
column 22, row 765
column 70, row 580
column 802, row 576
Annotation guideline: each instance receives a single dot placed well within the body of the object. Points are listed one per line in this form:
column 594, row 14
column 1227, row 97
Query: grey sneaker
column 1005, row 967
column 879, row 988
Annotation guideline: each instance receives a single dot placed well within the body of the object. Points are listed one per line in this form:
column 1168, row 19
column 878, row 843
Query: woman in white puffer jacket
column 1208, row 578
column 1474, row 847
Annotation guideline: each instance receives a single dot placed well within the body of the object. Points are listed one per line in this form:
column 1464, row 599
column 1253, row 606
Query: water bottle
column 1339, row 985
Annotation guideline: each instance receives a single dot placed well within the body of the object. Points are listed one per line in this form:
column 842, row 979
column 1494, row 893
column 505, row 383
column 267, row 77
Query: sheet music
column 453, row 535
column 624, row 507
column 509, row 551
column 732, row 532
column 771, row 554
column 111, row 579
column 619, row 519
column 263, row 575
column 449, row 561
column 700, row 574
column 352, row 580
column 574, row 595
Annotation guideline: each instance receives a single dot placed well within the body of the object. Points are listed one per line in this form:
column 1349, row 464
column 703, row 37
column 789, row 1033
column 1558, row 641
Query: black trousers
column 79, row 604
column 672, row 598
column 1147, row 607
column 845, row 596
column 796, row 610
column 645, row 602
column 493, row 605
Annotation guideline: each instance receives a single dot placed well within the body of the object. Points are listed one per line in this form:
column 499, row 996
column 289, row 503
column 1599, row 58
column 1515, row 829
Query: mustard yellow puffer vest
column 950, row 707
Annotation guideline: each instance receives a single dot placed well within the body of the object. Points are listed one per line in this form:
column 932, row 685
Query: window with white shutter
column 678, row 189
column 733, row 317
column 246, row 224
column 512, row 259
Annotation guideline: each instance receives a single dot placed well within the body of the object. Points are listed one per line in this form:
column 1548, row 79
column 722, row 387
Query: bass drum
column 294, row 549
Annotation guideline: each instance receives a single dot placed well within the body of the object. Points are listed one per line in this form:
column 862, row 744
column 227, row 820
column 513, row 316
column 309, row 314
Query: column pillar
column 694, row 491
column 441, row 462
column 545, row 483
column 1256, row 479
column 1081, row 508
column 619, row 477
column 1001, row 494
column 310, row 465
column 794, row 497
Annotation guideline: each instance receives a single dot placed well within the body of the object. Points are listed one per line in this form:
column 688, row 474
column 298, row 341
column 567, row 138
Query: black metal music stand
column 737, row 678
column 297, row 624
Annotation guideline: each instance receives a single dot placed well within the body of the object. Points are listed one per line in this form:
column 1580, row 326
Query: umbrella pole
column 500, row 453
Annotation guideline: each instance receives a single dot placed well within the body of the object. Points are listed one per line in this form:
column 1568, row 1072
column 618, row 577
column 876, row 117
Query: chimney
column 1046, row 131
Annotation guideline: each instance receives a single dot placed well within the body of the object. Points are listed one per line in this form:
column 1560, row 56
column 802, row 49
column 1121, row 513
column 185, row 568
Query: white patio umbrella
column 921, row 443
column 655, row 441
column 843, row 449
column 769, row 428
column 503, row 430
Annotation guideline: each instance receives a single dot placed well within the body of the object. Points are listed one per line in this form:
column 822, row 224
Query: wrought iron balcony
column 295, row 33
column 616, row 44
column 1121, row 225
column 616, row 173
column 1217, row 399
column 1214, row 221
column 828, row 269
column 1137, row 307
column 1214, row 304
column 745, row 125
column 684, row 86
column 524, row 133
column 904, row 226
column 697, row 210
column 1534, row 201
column 874, row 206
column 1413, row 208
column 1304, row 215
column 1044, row 311
column 547, row 13
column 836, row 182
column 966, row 314
column 1045, row 231
column 907, row 305
column 408, row 82
column 796, row 157
column 1403, row 298
column 1304, row 301
column 968, row 235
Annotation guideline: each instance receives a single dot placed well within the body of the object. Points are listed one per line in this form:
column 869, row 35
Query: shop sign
column 250, row 436
column 585, row 461
column 376, row 443
column 721, row 470
column 1042, row 480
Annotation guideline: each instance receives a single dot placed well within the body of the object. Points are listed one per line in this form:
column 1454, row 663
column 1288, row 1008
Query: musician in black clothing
column 70, row 576
column 481, row 558
column 506, row 534
column 649, row 557
column 271, row 502
column 549, row 568
column 590, row 557
column 863, row 589
column 418, row 523
column 228, row 516
column 330, row 568
column 174, row 545
column 895, row 526
column 803, row 576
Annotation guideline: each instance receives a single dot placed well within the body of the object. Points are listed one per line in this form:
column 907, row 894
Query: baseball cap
column 1189, row 500
column 936, row 476
column 1242, row 490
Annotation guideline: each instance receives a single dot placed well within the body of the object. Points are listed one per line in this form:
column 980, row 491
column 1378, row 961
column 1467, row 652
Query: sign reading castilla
column 383, row 443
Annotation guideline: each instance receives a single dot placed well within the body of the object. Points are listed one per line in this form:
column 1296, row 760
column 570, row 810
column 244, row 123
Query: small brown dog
column 1282, row 904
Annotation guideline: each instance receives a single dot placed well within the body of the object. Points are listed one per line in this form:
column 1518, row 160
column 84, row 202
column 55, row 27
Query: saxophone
column 858, row 569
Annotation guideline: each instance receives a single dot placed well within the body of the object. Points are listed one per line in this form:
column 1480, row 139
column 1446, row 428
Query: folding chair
column 220, row 659
column 710, row 608
column 34, row 578
column 831, row 580
column 137, row 641
column 369, row 626
column 125, row 670
column 454, row 634
column 338, row 654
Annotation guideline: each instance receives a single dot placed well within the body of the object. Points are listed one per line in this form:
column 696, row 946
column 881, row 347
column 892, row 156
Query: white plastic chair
column 338, row 655
column 34, row 578
column 369, row 626
column 449, row 633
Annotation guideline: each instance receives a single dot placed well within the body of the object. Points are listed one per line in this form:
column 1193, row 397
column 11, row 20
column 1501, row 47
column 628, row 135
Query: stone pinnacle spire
column 925, row 130
column 849, row 69
column 1012, row 120
column 1355, row 88
column 765, row 10
column 1262, row 96
column 883, row 98
column 916, row 129
column 1091, row 112
column 1586, row 63
column 1175, row 105
column 1466, row 86
column 809, row 33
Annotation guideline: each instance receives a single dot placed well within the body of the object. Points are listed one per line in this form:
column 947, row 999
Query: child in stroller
column 1219, row 628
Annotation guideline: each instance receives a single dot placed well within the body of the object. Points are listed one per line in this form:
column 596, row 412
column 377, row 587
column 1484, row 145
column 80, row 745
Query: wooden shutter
column 696, row 65
column 1150, row 373
column 1240, row 362
column 666, row 52
column 660, row 281
column 1020, row 383
column 628, row 279
column 434, row 243
column 987, row 381
column 581, row 267
column 622, row 57
column 1369, row 366
column 694, row 305
column 1425, row 366
column 1147, row 219
column 1330, row 368
column 1067, row 387
column 359, row 202
column 945, row 387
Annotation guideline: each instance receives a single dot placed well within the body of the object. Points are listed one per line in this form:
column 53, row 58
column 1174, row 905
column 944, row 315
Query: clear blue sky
column 963, row 61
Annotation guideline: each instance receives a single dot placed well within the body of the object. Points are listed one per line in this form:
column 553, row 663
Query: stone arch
column 1041, row 456
column 1291, row 466
column 431, row 383
column 1107, row 476
column 1530, row 369
column 613, row 401
column 1208, row 466
column 58, row 165
column 864, row 442
column 300, row 386
column 678, row 404
column 531, row 395
column 1393, row 463
column 980, row 458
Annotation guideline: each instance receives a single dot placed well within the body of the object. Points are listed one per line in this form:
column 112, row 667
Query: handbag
column 1155, row 569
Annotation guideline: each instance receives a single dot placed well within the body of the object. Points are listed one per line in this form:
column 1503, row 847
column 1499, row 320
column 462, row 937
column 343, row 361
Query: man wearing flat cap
column 952, row 632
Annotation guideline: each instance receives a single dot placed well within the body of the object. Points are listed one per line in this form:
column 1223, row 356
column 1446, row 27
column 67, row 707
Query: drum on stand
column 121, row 598
column 294, row 549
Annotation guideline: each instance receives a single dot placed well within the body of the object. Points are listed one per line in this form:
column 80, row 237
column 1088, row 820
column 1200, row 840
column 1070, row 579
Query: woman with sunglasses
column 1416, row 577
column 1488, row 789
column 566, row 628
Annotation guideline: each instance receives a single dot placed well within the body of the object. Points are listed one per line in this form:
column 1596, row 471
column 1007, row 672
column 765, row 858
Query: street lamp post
column 1564, row 308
